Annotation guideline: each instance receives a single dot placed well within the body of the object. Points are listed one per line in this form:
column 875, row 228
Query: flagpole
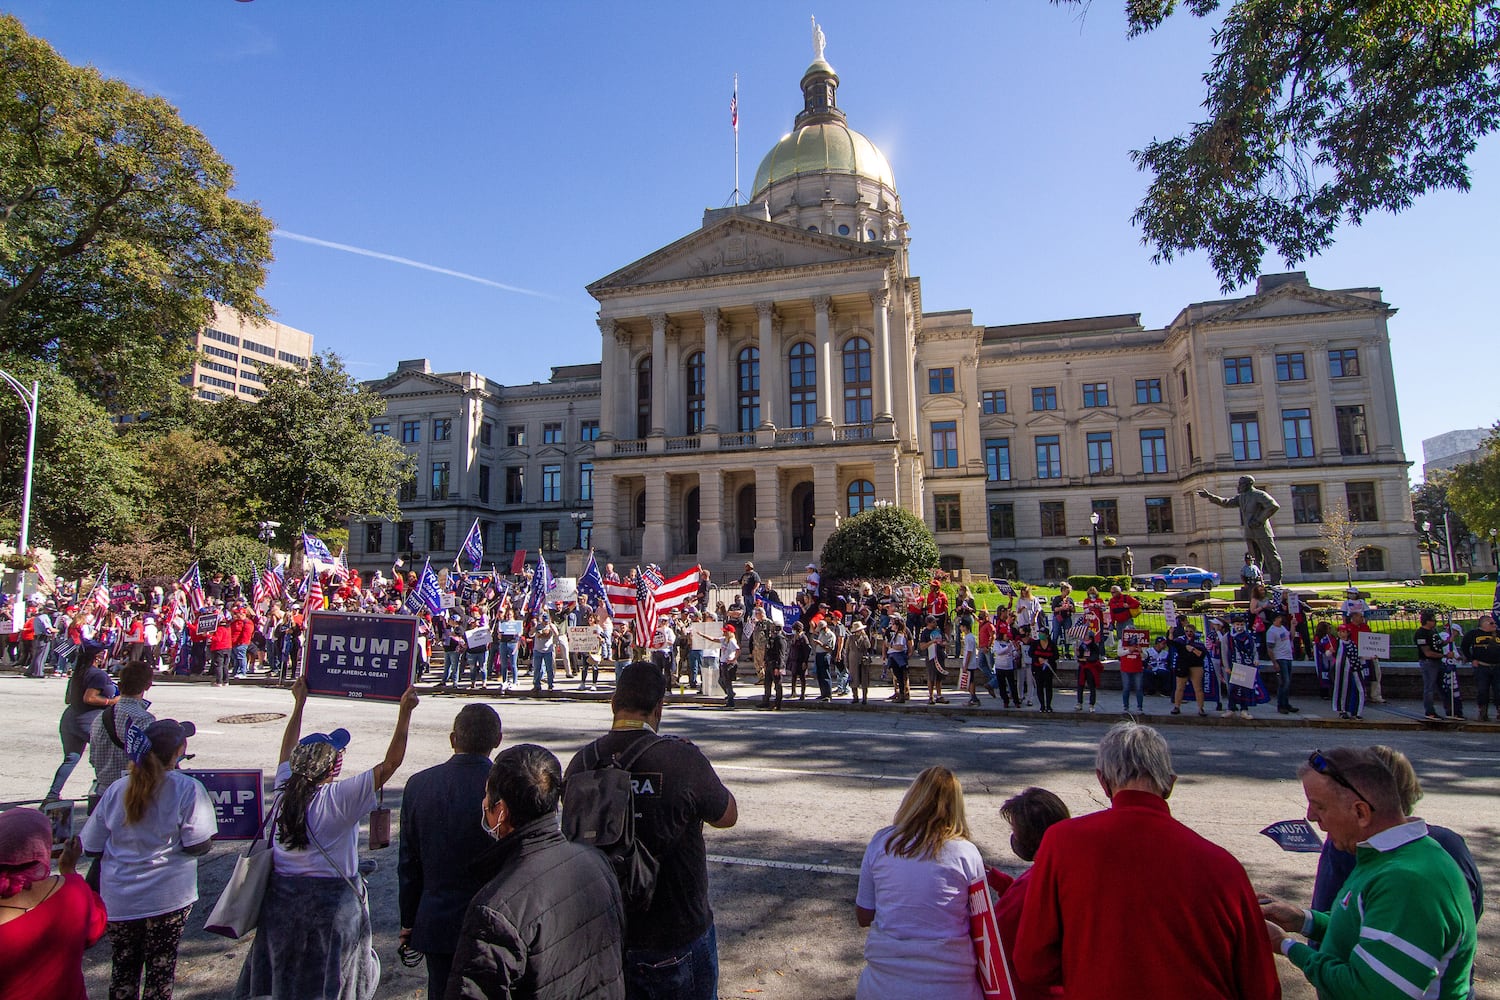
column 736, row 123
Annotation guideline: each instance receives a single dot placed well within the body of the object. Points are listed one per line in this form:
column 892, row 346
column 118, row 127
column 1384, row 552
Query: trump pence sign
column 350, row 655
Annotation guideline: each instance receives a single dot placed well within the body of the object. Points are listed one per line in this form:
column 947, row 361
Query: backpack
column 599, row 810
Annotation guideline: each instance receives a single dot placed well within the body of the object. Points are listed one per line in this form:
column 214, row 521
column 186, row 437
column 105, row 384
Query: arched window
column 1055, row 569
column 1313, row 561
column 693, row 375
column 1162, row 562
column 857, row 405
column 643, row 397
column 861, row 494
column 802, row 384
column 1370, row 560
column 747, row 382
column 1005, row 569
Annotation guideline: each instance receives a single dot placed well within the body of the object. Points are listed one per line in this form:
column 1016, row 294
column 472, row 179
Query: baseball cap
column 338, row 739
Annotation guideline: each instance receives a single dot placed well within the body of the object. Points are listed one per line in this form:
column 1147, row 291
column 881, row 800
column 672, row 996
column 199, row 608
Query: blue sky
column 541, row 146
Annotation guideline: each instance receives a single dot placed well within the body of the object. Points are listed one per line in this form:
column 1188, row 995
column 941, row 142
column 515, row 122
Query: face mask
column 492, row 831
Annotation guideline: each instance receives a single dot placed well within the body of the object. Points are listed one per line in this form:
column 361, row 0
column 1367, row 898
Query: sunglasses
column 1329, row 770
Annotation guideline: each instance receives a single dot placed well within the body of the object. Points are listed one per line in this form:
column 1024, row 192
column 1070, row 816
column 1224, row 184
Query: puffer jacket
column 548, row 925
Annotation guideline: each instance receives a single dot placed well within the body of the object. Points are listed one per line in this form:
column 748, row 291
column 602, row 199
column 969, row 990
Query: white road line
column 903, row 779
column 789, row 865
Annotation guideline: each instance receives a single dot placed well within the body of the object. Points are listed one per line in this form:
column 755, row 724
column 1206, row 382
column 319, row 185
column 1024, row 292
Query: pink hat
column 25, row 850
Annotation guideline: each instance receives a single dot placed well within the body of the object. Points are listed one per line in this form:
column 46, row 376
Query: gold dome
column 830, row 147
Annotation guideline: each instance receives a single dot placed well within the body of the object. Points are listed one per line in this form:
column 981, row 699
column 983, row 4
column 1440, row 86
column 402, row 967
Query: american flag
column 192, row 584
column 314, row 600
column 257, row 585
column 624, row 599
column 99, row 596
column 270, row 582
column 341, row 568
column 645, row 609
column 734, row 105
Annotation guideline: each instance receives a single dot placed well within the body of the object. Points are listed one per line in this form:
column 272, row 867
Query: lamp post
column 29, row 403
column 1428, row 546
column 1094, row 520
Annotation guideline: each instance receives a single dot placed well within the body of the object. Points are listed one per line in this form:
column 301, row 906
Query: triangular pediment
column 738, row 245
column 1099, row 416
column 407, row 383
column 1047, row 420
column 1293, row 300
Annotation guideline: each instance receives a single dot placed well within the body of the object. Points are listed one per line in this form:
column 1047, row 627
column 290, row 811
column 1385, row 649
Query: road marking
column 904, row 779
column 788, row 865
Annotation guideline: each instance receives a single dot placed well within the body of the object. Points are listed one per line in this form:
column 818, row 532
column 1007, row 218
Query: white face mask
column 493, row 831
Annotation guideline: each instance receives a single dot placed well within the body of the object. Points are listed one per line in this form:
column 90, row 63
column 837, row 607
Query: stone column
column 1382, row 418
column 880, row 298
column 675, row 415
column 654, row 536
column 829, row 504
column 658, row 374
column 606, row 517
column 710, row 517
column 770, row 397
column 712, row 377
column 609, row 375
column 822, row 311
column 767, row 514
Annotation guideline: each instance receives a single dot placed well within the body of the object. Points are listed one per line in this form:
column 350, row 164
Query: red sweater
column 1196, row 936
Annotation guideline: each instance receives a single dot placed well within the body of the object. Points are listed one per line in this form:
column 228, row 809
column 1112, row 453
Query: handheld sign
column 349, row 655
column 207, row 621
column 1136, row 637
column 1374, row 645
column 236, row 796
column 1296, row 835
column 474, row 638
column 1169, row 612
column 583, row 639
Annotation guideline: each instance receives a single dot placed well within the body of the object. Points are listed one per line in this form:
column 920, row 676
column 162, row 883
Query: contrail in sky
column 361, row 251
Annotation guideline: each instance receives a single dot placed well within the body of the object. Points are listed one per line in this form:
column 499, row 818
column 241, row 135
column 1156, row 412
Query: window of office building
column 1002, row 520
column 694, row 383
column 947, row 512
column 551, row 483
column 858, row 385
column 643, row 397
column 588, row 430
column 1005, row 569
column 221, row 336
column 1154, row 450
column 1354, row 438
column 997, row 460
column 1239, row 371
column 551, row 536
column 945, row 444
column 1296, row 430
column 1109, row 516
column 406, row 536
column 747, row 387
column 1369, row 560
column 1101, row 453
column 1313, row 561
column 407, row 491
column 1291, row 367
column 381, row 428
column 442, row 428
column 515, row 436
column 510, row 536
column 1147, row 390
column 586, row 481
column 440, row 480
column 515, row 484
column 486, row 433
column 219, row 352
column 214, row 366
column 1307, row 503
column 586, row 533
column 1361, row 499
column 1055, row 569
column 1044, row 397
column 1244, row 436
column 437, row 535
column 861, row 496
column 1054, row 519
column 251, row 345
column 802, row 384
column 1048, row 457
column 1159, row 516
column 939, row 381
column 992, row 401
column 552, row 434
column 1095, row 394
column 1343, row 363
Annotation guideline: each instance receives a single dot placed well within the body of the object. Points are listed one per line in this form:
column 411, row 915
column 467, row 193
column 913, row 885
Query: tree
column 1474, row 487
column 1317, row 114
column 306, row 455
column 232, row 554
column 139, row 557
column 1429, row 502
column 1337, row 530
column 193, row 495
column 882, row 543
column 117, row 231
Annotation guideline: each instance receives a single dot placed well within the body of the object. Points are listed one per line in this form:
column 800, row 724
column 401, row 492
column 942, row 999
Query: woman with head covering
column 314, row 936
column 914, row 890
column 46, row 920
column 150, row 829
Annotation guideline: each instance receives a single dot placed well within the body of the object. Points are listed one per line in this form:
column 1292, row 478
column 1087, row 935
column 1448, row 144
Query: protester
column 439, row 842
column 1403, row 924
column 1188, row 654
column 46, row 921
column 314, row 936
column 1090, row 668
column 107, row 753
column 1279, row 644
column 1348, row 675
column 671, row 948
column 857, row 651
column 148, row 831
column 1132, row 673
column 729, row 665
column 914, row 896
column 90, row 691
column 934, row 645
column 1029, row 814
column 1481, row 647
column 1199, row 935
column 549, row 924
column 1043, row 669
column 543, row 647
column 798, row 653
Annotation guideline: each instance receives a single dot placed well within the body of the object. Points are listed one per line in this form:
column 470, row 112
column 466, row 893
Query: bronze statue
column 1257, row 507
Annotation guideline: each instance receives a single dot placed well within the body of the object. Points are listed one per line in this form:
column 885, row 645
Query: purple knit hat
column 25, row 850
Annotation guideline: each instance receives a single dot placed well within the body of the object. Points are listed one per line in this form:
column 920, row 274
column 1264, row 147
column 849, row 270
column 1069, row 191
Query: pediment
column 943, row 403
column 1100, row 416
column 1154, row 410
column 1047, row 420
column 738, row 245
column 412, row 383
column 1293, row 300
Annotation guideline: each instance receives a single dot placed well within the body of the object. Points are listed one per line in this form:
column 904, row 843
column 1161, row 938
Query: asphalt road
column 812, row 787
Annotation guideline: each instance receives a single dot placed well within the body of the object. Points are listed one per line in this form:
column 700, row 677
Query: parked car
column 1183, row 578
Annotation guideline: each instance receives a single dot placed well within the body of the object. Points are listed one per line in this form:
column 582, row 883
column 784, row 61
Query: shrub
column 1444, row 579
column 231, row 554
column 1084, row 581
column 883, row 543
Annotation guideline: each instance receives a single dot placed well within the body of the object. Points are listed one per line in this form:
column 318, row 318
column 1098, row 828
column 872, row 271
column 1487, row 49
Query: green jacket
column 1401, row 928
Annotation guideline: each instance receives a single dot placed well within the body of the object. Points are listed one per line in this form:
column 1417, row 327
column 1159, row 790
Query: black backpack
column 599, row 810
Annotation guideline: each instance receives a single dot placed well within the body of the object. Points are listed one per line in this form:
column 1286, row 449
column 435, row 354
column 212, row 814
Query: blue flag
column 473, row 547
column 541, row 585
column 316, row 550
column 1295, row 835
column 426, row 593
column 591, row 581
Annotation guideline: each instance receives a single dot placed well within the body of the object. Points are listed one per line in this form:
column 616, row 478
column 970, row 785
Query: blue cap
column 338, row 739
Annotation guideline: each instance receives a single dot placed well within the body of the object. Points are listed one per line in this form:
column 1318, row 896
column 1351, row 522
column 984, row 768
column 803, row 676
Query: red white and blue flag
column 473, row 546
column 542, row 583
column 257, row 585
column 314, row 601
column 270, row 582
column 192, row 585
column 646, row 613
column 99, row 596
column 650, row 597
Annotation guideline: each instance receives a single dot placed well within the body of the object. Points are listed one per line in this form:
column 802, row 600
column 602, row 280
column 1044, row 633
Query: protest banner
column 1169, row 612
column 236, row 796
column 1136, row 637
column 208, row 620
column 712, row 631
column 476, row 638
column 121, row 595
column 583, row 639
column 348, row 655
column 1374, row 645
column 1295, row 835
column 564, row 589
column 510, row 629
column 448, row 601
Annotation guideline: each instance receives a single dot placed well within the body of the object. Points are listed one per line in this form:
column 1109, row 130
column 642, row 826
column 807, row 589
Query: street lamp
column 1427, row 544
column 29, row 403
column 1094, row 520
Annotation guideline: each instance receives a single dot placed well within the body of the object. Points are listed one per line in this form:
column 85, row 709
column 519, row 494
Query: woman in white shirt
column 149, row 831
column 914, row 896
column 314, row 935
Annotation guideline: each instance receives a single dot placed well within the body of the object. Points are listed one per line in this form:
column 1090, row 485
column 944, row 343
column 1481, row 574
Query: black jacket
column 548, row 925
column 440, row 837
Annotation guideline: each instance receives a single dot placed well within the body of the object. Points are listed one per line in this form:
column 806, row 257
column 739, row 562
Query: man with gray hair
column 1202, row 936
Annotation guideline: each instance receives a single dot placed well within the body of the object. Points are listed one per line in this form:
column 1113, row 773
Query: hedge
column 1444, row 579
column 1084, row 582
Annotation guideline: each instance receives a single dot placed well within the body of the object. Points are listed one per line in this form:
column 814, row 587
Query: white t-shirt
column 333, row 818
column 919, row 944
column 146, row 873
column 1280, row 641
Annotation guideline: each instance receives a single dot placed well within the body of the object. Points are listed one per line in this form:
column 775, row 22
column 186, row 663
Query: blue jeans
column 1284, row 684
column 687, row 973
column 1132, row 682
column 820, row 671
column 1059, row 632
column 541, row 661
column 695, row 666
column 240, row 658
column 505, row 662
column 453, row 665
column 479, row 665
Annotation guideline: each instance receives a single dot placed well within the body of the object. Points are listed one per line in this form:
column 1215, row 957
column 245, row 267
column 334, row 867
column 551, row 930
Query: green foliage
column 140, row 557
column 1103, row 583
column 1474, row 487
column 232, row 554
column 117, row 230
column 1317, row 114
column 1444, row 579
column 883, row 543
column 192, row 481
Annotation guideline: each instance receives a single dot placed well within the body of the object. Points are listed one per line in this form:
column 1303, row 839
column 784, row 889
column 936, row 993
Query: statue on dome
column 820, row 41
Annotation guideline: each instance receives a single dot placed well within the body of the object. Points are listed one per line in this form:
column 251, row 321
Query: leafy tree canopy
column 232, row 554
column 117, row 230
column 883, row 543
column 1474, row 487
column 1317, row 113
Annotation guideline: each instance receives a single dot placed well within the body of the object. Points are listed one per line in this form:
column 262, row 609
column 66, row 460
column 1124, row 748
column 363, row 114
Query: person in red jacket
column 220, row 646
column 241, row 632
column 1201, row 938
column 1029, row 814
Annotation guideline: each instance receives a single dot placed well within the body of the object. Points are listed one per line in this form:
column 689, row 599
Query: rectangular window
column 1182, row 380
column 939, row 381
column 1307, row 504
column 551, row 537
column 585, row 481
column 437, row 535
column 1343, row 363
column 1095, row 394
column 588, row 430
column 1154, row 451
column 486, row 433
column 406, row 536
column 214, row 366
column 515, row 484
column 1239, row 371
column 1002, row 520
column 411, row 431
column 292, row 359
column 1244, row 436
column 442, row 429
column 997, row 460
column 251, row 345
column 1054, row 519
column 221, row 336
column 586, row 533
column 484, row 483
column 515, row 436
column 381, row 428
column 440, row 480
column 1048, row 457
column 510, row 537
column 1101, row 450
column 551, row 483
column 1109, row 515
column 1361, row 498
column 1291, row 367
column 1192, row 455
column 219, row 352
column 252, row 375
column 1158, row 515
column 945, row 444
column 1044, row 397
column 1354, row 438
column 552, row 434
column 373, row 532
column 1147, row 390
column 947, row 510
column 992, row 401
column 1296, row 430
column 407, row 491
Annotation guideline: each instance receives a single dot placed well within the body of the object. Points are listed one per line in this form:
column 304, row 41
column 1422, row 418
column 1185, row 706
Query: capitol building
column 777, row 370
